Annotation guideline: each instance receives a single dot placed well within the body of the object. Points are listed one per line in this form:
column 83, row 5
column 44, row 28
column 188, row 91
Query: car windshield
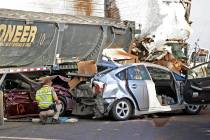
column 159, row 74
column 105, row 72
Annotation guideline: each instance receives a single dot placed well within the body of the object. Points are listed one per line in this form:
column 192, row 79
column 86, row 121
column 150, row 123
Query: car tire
column 121, row 110
column 63, row 104
column 192, row 109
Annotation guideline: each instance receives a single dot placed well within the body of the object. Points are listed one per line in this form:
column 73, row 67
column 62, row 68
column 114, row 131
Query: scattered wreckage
column 136, row 89
column 108, row 91
column 121, row 91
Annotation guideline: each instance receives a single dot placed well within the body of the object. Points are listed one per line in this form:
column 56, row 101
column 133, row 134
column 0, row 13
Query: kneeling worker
column 48, row 102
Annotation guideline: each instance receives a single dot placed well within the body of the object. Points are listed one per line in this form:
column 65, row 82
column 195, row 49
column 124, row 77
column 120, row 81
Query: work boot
column 43, row 121
column 55, row 121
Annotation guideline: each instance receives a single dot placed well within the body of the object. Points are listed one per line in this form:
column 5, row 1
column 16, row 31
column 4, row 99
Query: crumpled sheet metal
column 165, row 58
column 118, row 54
column 158, row 55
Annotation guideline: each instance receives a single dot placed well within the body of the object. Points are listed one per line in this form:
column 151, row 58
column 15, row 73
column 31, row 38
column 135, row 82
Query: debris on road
column 61, row 120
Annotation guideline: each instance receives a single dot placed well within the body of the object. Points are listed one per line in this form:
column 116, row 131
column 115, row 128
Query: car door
column 136, row 76
column 197, row 86
column 18, row 97
column 197, row 91
column 164, row 84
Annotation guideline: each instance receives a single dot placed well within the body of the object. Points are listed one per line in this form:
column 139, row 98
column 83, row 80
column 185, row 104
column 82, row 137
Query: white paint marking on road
column 99, row 129
column 208, row 131
column 140, row 120
column 22, row 138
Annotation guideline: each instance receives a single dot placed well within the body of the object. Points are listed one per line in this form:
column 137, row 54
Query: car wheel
column 192, row 109
column 121, row 110
column 4, row 110
column 63, row 104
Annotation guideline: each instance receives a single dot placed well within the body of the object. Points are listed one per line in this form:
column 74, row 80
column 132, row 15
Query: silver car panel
column 139, row 89
column 142, row 96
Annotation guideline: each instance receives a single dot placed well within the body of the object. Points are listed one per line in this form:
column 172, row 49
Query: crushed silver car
column 145, row 88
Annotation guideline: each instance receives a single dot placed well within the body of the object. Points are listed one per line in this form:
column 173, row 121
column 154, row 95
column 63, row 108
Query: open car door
column 197, row 86
column 197, row 91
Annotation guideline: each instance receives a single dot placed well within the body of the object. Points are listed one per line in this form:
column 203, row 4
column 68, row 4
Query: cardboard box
column 84, row 67
column 74, row 82
column 87, row 67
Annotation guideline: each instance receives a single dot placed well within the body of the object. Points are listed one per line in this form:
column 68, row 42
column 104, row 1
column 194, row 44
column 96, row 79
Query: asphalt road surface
column 170, row 126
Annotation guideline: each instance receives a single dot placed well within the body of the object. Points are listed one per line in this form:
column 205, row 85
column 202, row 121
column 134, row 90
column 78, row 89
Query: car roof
column 145, row 64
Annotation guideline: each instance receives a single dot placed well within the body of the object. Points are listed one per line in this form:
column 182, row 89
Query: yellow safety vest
column 44, row 97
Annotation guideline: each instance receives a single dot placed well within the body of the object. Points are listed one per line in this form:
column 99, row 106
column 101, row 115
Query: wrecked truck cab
column 142, row 88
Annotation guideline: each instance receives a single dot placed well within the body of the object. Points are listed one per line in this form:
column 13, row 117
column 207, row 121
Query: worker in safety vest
column 48, row 102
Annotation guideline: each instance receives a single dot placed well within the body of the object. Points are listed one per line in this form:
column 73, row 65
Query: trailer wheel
column 121, row 110
column 192, row 109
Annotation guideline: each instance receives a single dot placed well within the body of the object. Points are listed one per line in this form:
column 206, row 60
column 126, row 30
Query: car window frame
column 125, row 71
column 169, row 72
column 21, row 80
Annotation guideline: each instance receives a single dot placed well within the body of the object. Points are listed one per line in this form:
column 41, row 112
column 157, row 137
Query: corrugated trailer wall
column 70, row 7
column 38, row 39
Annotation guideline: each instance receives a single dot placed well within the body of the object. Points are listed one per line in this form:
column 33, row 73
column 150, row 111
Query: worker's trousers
column 50, row 113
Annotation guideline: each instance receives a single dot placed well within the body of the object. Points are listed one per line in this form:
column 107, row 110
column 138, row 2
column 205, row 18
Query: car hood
column 57, row 80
